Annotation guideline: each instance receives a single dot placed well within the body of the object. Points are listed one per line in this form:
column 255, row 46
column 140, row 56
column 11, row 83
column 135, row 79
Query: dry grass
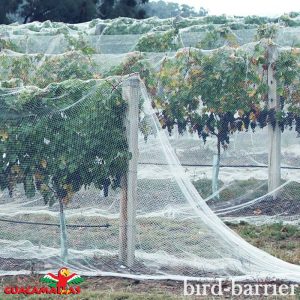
column 277, row 239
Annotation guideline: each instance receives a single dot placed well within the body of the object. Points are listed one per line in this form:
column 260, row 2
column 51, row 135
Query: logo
column 63, row 283
column 232, row 288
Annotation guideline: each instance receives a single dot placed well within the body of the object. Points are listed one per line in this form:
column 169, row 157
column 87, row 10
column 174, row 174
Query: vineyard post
column 131, row 93
column 215, row 176
column 216, row 170
column 62, row 224
column 63, row 232
column 274, row 171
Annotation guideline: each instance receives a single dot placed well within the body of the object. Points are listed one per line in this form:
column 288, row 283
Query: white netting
column 65, row 152
column 125, row 35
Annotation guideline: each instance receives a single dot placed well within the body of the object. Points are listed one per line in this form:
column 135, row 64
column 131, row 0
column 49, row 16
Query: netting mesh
column 65, row 152
column 51, row 136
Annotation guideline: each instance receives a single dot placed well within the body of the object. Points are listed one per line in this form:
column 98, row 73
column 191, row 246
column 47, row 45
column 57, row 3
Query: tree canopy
column 8, row 7
column 110, row 9
column 50, row 146
column 69, row 11
column 164, row 9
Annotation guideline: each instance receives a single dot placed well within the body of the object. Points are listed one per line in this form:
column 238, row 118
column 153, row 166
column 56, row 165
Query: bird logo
column 62, row 281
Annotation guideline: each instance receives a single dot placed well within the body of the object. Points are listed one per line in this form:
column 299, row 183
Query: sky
column 240, row 7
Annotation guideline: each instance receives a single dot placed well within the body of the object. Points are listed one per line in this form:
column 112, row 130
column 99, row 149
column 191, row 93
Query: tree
column 63, row 138
column 110, row 9
column 164, row 10
column 202, row 12
column 70, row 11
column 230, row 88
column 187, row 11
column 158, row 9
column 7, row 7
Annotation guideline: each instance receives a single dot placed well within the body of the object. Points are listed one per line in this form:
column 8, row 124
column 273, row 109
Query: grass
column 139, row 296
column 173, row 235
column 170, row 234
column 253, row 187
column 236, row 189
column 112, row 288
column 278, row 239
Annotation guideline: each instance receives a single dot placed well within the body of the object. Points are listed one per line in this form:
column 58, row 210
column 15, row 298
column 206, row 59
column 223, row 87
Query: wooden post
column 123, row 222
column 274, row 172
column 63, row 233
column 131, row 93
column 215, row 176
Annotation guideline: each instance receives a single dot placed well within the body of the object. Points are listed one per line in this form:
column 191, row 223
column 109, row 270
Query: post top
column 132, row 80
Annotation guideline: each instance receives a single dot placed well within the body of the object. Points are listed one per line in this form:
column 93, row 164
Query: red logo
column 64, row 282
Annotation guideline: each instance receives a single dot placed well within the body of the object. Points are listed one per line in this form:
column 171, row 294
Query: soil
column 265, row 206
column 132, row 289
column 105, row 264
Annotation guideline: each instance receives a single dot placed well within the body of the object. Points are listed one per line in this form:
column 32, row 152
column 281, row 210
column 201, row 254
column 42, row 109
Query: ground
column 109, row 288
column 278, row 239
column 287, row 201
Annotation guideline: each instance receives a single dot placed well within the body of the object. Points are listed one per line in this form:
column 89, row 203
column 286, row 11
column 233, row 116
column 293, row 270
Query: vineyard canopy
column 70, row 97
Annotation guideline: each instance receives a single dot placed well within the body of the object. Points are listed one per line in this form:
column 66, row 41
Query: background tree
column 202, row 12
column 110, row 9
column 188, row 11
column 164, row 10
column 8, row 7
column 71, row 11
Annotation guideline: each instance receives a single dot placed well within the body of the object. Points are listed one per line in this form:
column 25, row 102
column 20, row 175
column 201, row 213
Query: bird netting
column 106, row 151
column 152, row 35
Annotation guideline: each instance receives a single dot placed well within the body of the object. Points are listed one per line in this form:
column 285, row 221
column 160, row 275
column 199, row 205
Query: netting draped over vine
column 202, row 90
